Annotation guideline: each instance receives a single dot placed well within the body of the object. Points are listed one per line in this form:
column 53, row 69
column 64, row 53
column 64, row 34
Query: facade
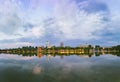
column 39, row 49
column 61, row 44
column 48, row 44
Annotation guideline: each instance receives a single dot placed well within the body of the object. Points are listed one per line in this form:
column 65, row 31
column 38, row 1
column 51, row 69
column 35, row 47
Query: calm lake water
column 72, row 68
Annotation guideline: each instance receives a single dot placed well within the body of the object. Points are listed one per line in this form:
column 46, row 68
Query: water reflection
column 37, row 70
column 39, row 55
column 59, row 68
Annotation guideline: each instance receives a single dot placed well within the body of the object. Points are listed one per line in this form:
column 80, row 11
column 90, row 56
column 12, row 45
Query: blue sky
column 74, row 22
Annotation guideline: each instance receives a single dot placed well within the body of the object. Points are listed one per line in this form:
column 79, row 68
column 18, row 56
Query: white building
column 48, row 44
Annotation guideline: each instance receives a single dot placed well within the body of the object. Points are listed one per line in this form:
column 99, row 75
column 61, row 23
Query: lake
column 59, row 68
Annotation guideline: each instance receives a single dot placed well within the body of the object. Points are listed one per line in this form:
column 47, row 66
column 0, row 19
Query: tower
column 48, row 44
column 39, row 49
column 61, row 44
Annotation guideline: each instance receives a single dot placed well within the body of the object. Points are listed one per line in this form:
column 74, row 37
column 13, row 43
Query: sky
column 73, row 22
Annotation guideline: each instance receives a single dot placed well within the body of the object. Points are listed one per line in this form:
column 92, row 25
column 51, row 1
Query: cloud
column 37, row 70
column 10, row 19
column 14, row 19
column 93, row 6
column 37, row 31
column 113, row 6
column 58, row 20
column 16, row 44
column 75, row 23
column 9, row 24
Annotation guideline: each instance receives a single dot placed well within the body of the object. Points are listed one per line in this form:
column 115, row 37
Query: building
column 39, row 49
column 48, row 44
column 61, row 44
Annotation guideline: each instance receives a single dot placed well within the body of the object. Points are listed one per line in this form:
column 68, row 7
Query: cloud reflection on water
column 37, row 70
column 69, row 68
column 16, row 57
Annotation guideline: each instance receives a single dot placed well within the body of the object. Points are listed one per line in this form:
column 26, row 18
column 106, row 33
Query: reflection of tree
column 63, row 54
column 39, row 55
column 63, row 51
column 116, row 53
column 48, row 57
column 98, row 53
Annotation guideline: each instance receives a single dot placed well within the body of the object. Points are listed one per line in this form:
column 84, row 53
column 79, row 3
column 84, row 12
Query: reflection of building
column 39, row 55
column 61, row 44
column 48, row 57
column 39, row 51
column 62, row 57
column 48, row 44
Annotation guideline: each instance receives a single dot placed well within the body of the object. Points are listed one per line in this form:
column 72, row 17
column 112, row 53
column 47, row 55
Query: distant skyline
column 73, row 22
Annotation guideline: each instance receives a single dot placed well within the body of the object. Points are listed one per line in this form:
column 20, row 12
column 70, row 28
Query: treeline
column 26, row 49
column 115, row 48
column 56, row 49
